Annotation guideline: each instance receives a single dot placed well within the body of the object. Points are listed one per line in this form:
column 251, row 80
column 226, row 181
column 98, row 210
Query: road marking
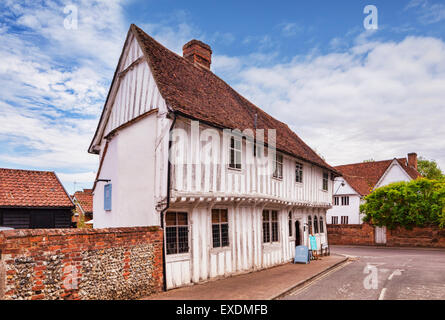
column 311, row 282
column 395, row 273
column 382, row 294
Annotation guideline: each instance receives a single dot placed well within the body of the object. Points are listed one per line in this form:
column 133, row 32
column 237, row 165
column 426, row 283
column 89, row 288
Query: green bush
column 417, row 203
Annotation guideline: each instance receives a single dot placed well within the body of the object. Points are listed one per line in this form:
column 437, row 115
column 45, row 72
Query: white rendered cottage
column 226, row 206
column 360, row 179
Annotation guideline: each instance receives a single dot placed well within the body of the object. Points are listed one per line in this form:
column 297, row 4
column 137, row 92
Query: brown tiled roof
column 198, row 93
column 27, row 188
column 363, row 177
column 84, row 200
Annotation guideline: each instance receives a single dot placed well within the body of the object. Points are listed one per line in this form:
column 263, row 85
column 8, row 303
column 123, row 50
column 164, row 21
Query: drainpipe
column 168, row 201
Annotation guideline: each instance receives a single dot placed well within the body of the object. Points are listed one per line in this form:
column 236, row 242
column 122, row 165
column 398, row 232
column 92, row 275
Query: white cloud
column 376, row 100
column 428, row 12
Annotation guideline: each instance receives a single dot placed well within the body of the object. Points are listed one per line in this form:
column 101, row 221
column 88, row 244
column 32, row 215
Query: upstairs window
column 107, row 197
column 270, row 226
column 299, row 173
column 334, row 220
column 176, row 232
column 345, row 201
column 336, row 201
column 278, row 166
column 220, row 228
column 325, row 181
column 235, row 153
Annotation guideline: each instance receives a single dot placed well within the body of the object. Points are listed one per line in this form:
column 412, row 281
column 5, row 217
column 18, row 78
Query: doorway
column 297, row 233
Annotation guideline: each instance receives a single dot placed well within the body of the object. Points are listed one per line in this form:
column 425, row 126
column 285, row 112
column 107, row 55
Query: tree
column 419, row 203
column 429, row 169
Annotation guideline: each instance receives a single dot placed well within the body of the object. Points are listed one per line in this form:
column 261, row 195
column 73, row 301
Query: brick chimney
column 412, row 160
column 198, row 53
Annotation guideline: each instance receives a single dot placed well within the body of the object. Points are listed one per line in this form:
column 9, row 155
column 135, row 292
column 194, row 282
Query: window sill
column 220, row 250
column 235, row 169
column 277, row 179
column 177, row 257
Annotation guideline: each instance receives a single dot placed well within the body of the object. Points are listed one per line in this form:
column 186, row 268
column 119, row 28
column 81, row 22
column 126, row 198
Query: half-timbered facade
column 235, row 189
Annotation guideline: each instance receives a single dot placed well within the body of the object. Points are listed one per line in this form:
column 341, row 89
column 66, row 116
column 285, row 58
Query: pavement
column 265, row 284
column 380, row 273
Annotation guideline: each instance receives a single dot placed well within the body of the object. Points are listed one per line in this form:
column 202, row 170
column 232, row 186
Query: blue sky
column 352, row 94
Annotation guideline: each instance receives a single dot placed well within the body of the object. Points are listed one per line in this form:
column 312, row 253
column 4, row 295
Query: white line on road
column 382, row 294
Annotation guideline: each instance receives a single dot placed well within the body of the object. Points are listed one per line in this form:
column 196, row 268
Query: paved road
column 380, row 273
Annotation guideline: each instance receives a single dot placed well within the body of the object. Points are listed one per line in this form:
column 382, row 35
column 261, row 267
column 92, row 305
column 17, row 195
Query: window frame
column 309, row 224
column 272, row 225
column 177, row 226
column 344, row 219
column 321, row 225
column 299, row 169
column 278, row 166
column 336, row 219
column 345, row 200
column 232, row 149
column 220, row 224
column 316, row 225
column 325, row 181
column 336, row 200
column 290, row 220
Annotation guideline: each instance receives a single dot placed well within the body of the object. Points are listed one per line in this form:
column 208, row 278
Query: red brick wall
column 431, row 237
column 351, row 234
column 115, row 263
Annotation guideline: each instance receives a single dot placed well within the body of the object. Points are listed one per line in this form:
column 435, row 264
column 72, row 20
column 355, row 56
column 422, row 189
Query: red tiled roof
column 27, row 188
column 84, row 200
column 198, row 93
column 363, row 177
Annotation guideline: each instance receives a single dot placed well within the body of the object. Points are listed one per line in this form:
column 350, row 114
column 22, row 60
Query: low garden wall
column 115, row 263
column 364, row 234
column 351, row 234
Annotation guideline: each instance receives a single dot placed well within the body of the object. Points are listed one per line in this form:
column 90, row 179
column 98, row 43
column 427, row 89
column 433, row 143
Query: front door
column 297, row 233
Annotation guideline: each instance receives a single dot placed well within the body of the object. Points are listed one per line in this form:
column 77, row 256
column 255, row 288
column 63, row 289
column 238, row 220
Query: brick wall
column 351, row 234
column 363, row 234
column 431, row 237
column 115, row 263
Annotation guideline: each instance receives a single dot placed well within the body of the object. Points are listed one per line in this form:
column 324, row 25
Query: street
column 379, row 274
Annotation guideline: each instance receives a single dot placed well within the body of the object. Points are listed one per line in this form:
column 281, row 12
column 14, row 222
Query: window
column 321, row 225
column 290, row 224
column 220, row 228
column 325, row 181
column 309, row 222
column 344, row 220
column 336, row 201
column 176, row 232
column 334, row 220
column 270, row 226
column 299, row 173
column 235, row 153
column 315, row 224
column 278, row 166
column 345, row 201
column 107, row 197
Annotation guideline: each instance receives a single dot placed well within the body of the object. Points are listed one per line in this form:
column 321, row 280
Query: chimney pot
column 198, row 53
column 412, row 160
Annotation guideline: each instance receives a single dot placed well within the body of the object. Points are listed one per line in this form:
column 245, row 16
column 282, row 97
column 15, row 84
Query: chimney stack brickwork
column 198, row 52
column 412, row 160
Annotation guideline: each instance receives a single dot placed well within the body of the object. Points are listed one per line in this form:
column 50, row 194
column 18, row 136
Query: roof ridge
column 28, row 170
column 365, row 163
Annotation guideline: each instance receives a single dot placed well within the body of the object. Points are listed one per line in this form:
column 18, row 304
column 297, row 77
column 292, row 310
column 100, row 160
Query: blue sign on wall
column 313, row 242
column 301, row 254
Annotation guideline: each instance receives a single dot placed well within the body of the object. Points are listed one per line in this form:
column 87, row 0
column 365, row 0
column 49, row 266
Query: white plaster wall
column 130, row 164
column 352, row 211
column 394, row 174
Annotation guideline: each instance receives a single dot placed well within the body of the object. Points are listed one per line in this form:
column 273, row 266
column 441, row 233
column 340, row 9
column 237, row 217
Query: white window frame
column 278, row 166
column 236, row 151
column 299, row 168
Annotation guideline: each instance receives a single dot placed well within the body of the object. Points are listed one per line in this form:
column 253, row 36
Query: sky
column 350, row 92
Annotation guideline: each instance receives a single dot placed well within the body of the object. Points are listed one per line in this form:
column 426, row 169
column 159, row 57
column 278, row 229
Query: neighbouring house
column 360, row 179
column 33, row 200
column 228, row 200
column 84, row 207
